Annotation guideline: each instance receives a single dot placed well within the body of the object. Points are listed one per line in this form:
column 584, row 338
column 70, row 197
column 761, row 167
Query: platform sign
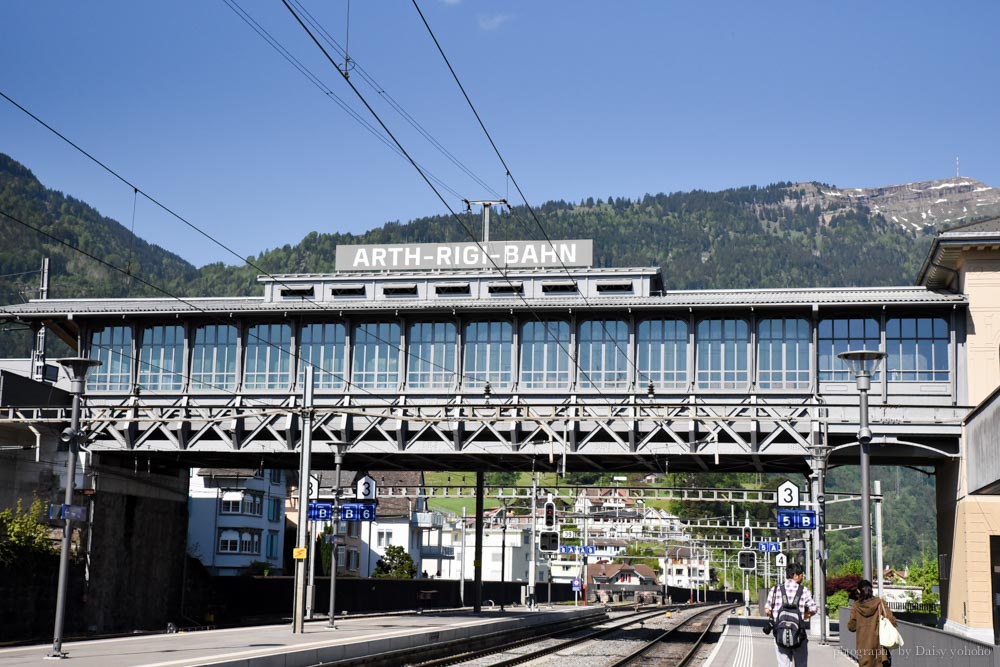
column 367, row 489
column 318, row 511
column 577, row 584
column 788, row 494
column 70, row 512
column 300, row 553
column 357, row 512
column 797, row 519
column 589, row 550
column 748, row 560
column 781, row 560
column 769, row 547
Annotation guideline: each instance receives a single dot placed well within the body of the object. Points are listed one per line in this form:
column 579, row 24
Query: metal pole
column 305, row 462
column 77, row 369
column 503, row 555
column 864, row 440
column 878, row 535
column 533, row 563
column 311, row 568
column 461, row 566
column 477, row 558
column 338, row 459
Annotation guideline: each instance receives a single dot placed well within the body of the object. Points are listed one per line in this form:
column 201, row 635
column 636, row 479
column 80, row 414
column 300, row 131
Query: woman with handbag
column 866, row 613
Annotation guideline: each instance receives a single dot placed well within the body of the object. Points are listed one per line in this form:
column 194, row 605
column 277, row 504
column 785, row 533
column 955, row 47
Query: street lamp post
column 77, row 369
column 864, row 364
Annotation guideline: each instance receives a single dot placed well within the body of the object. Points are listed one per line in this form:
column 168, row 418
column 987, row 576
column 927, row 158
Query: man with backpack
column 788, row 607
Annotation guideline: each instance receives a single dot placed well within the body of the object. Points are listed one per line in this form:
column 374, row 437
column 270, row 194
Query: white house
column 236, row 516
column 685, row 567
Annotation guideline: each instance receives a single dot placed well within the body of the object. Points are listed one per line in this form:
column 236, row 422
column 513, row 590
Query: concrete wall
column 137, row 563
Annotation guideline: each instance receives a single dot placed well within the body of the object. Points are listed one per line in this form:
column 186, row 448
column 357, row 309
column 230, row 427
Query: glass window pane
column 545, row 354
column 917, row 349
column 112, row 346
column 723, row 354
column 431, row 355
column 161, row 358
column 376, row 355
column 268, row 357
column 323, row 346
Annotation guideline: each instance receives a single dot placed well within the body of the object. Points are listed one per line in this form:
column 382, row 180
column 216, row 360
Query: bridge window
column 161, row 358
column 489, row 354
column 603, row 346
column 917, row 348
column 324, row 346
column 268, row 357
column 723, row 354
column 112, row 346
column 662, row 353
column 841, row 334
column 213, row 357
column 545, row 354
column 431, row 357
column 376, row 355
column 783, row 353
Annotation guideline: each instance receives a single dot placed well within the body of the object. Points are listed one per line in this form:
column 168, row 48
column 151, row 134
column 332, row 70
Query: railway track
column 598, row 646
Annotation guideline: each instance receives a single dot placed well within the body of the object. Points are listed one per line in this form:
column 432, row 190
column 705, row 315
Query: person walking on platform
column 789, row 606
column 865, row 614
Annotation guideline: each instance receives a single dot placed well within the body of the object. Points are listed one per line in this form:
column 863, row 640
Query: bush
column 836, row 601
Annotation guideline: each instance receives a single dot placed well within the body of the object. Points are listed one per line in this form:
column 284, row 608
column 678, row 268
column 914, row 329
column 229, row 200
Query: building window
column 917, row 349
column 274, row 506
column 489, row 354
column 275, row 476
column 272, row 544
column 662, row 353
column 355, row 560
column 376, row 355
column 343, row 526
column 603, row 346
column 249, row 543
column 723, row 348
column 324, row 347
column 783, row 353
column 161, row 358
column 112, row 346
column 213, row 357
column 353, row 529
column 229, row 541
column 231, row 502
column 841, row 334
column 253, row 504
column 341, row 557
column 384, row 538
column 545, row 354
column 431, row 348
column 268, row 357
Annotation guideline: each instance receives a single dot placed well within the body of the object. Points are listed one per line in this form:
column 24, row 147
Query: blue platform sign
column 769, row 547
column 577, row 584
column 319, row 511
column 357, row 512
column 589, row 550
column 797, row 519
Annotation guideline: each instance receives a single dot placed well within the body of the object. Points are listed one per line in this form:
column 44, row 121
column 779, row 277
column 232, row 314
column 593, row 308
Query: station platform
column 355, row 637
column 744, row 644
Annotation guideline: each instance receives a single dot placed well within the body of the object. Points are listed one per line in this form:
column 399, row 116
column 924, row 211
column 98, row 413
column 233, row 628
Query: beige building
column 966, row 260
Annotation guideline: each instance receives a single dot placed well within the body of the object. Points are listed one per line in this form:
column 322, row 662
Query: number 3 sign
column 367, row 490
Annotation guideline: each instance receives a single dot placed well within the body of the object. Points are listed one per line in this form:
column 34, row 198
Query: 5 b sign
column 800, row 519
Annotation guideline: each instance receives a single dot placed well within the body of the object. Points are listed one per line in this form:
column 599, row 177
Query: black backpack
column 789, row 630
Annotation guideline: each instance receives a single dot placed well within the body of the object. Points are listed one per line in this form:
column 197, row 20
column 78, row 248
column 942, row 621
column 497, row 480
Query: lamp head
column 862, row 362
column 865, row 435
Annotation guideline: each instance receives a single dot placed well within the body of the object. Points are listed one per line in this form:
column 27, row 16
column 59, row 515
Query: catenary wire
column 510, row 176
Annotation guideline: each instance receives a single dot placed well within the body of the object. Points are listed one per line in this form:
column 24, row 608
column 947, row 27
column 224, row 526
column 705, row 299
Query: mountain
column 779, row 235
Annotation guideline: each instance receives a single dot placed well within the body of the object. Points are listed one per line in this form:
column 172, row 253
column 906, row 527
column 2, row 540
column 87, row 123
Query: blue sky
column 583, row 99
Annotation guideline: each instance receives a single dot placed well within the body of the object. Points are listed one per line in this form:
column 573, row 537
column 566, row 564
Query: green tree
column 24, row 534
column 395, row 564
column 925, row 575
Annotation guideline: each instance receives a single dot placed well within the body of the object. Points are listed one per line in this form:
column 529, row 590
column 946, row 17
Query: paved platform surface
column 267, row 646
column 744, row 644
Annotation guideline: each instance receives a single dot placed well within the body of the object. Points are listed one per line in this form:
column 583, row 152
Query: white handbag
column 888, row 635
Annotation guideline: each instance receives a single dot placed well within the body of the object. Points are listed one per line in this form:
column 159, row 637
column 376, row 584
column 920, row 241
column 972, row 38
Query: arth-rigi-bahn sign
column 437, row 256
